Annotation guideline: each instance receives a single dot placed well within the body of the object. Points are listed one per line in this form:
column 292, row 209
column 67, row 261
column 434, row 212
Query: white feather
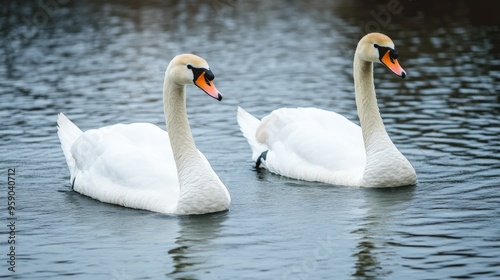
column 133, row 165
column 317, row 145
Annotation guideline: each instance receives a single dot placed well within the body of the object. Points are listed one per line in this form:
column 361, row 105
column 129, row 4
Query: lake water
column 103, row 63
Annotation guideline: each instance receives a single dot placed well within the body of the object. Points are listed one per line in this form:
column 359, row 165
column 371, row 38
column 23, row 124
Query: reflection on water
column 103, row 62
column 380, row 208
column 195, row 246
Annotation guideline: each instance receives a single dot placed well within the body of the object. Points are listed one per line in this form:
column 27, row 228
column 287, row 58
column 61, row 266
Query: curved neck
column 181, row 139
column 372, row 126
column 200, row 189
column 385, row 165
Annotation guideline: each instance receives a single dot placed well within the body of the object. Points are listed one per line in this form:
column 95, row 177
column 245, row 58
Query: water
column 103, row 63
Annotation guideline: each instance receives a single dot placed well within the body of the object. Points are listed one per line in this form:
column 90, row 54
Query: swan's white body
column 142, row 166
column 317, row 145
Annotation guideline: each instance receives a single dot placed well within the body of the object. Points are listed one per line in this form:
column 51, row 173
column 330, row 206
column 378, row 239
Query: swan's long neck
column 378, row 146
column 200, row 189
column 179, row 131
column 385, row 165
column 366, row 101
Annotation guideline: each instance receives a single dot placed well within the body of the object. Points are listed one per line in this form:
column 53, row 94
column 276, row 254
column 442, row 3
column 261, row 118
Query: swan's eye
column 189, row 66
column 375, row 46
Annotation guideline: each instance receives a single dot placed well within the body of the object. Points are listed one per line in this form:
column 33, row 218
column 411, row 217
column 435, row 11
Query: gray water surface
column 103, row 63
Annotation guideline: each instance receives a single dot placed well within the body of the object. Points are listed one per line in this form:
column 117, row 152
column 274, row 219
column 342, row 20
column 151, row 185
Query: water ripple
column 103, row 63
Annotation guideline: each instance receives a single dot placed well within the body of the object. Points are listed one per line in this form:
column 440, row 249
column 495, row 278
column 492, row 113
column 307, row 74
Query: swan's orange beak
column 393, row 64
column 207, row 86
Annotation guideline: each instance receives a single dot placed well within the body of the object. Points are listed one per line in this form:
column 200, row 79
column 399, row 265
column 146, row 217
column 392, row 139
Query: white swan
column 317, row 145
column 142, row 166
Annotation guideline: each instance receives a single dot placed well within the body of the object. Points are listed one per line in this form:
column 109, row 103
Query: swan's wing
column 130, row 165
column 312, row 140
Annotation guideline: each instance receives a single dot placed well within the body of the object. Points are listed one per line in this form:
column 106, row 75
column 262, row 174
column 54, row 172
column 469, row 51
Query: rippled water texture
column 103, row 63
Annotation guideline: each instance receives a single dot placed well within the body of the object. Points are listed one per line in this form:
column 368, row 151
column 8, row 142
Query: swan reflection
column 195, row 245
column 373, row 246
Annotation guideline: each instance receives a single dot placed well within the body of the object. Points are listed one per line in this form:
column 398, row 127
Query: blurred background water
column 102, row 63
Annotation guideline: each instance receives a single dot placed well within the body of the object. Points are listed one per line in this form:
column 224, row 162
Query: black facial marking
column 381, row 50
column 393, row 54
column 196, row 72
column 209, row 76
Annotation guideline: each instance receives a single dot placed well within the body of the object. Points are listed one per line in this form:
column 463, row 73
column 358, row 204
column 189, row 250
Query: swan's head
column 377, row 47
column 186, row 69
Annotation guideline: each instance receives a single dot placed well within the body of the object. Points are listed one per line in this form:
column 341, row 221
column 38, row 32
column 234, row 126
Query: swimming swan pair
column 142, row 166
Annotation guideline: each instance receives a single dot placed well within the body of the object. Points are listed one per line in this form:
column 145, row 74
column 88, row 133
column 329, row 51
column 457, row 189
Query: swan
column 142, row 166
column 318, row 145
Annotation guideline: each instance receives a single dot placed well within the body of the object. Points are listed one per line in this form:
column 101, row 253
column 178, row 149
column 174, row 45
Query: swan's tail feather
column 68, row 133
column 248, row 126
